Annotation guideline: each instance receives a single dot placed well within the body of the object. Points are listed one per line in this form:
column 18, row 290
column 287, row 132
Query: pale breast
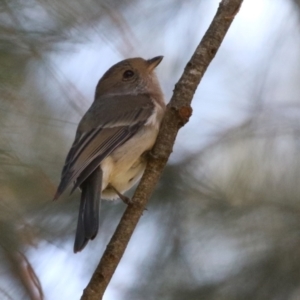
column 125, row 166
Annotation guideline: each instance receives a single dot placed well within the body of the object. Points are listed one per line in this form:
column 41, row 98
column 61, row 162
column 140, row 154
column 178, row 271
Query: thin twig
column 177, row 114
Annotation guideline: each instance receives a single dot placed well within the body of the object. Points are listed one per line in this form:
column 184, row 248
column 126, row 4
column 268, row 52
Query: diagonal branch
column 177, row 114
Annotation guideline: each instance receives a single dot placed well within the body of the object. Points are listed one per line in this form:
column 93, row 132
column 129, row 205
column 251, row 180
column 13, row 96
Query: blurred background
column 224, row 221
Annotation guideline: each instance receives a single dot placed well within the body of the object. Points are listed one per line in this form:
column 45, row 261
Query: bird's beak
column 154, row 62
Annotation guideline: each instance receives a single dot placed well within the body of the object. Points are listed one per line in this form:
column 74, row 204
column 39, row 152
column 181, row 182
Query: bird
column 113, row 140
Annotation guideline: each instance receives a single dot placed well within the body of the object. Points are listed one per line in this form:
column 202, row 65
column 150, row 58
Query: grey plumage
column 121, row 124
column 88, row 218
column 105, row 126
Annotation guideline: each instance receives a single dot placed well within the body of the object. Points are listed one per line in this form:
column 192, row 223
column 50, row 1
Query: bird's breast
column 125, row 166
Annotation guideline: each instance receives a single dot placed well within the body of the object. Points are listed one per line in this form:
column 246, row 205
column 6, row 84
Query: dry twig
column 177, row 114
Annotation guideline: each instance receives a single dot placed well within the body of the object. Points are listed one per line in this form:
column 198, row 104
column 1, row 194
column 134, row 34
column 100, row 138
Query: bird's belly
column 125, row 166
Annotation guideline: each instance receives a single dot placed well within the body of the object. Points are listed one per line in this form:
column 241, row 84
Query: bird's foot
column 125, row 199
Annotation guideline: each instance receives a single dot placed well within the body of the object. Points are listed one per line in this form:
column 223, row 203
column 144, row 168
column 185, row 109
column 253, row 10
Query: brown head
column 130, row 76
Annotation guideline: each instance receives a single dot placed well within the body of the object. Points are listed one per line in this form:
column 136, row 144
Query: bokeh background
column 224, row 222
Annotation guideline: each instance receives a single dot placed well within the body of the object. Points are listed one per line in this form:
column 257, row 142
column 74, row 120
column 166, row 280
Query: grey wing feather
column 122, row 136
column 101, row 131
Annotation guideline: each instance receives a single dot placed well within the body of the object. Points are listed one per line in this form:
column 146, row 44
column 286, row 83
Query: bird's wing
column 104, row 127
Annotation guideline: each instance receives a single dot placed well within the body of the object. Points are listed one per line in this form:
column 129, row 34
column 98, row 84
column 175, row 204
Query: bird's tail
column 88, row 218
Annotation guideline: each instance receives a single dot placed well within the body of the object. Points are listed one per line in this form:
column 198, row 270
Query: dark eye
column 128, row 74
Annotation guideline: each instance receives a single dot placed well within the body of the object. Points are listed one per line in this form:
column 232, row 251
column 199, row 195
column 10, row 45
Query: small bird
column 109, row 153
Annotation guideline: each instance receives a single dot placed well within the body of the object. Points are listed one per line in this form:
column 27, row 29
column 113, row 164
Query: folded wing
column 109, row 123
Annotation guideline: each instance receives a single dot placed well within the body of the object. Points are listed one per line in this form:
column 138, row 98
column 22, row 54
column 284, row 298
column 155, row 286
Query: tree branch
column 177, row 114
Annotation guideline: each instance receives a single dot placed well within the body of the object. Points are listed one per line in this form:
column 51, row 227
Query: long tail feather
column 88, row 218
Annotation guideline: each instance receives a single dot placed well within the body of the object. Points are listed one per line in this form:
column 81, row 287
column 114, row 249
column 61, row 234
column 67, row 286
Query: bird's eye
column 128, row 74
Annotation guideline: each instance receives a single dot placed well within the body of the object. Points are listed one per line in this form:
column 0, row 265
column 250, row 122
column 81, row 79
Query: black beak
column 154, row 62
